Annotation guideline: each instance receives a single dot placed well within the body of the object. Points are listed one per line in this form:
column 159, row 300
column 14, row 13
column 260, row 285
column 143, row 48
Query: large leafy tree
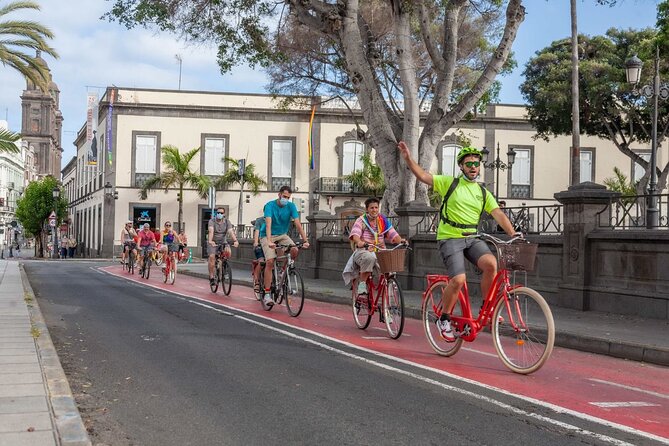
column 35, row 206
column 397, row 58
column 178, row 174
column 234, row 174
column 17, row 36
column 609, row 107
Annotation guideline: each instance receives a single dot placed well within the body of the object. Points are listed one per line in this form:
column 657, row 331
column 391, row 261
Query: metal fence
column 629, row 212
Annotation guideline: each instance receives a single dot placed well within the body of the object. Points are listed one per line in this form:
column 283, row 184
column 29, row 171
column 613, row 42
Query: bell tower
column 42, row 123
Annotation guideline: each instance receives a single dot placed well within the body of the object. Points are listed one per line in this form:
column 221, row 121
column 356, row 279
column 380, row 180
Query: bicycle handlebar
column 297, row 245
column 404, row 245
column 492, row 238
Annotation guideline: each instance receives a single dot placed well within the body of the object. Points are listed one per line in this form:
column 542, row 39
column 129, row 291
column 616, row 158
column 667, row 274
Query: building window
column 353, row 152
column 215, row 148
column 447, row 158
column 281, row 161
column 637, row 170
column 521, row 174
column 587, row 165
column 146, row 156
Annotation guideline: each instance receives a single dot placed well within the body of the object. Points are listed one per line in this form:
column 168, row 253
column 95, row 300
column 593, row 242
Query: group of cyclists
column 463, row 203
column 142, row 241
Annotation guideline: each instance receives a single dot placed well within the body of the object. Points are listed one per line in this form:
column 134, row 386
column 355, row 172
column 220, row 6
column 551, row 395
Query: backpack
column 443, row 211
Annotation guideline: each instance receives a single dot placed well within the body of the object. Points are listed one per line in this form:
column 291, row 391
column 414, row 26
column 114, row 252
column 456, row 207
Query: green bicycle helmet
column 466, row 151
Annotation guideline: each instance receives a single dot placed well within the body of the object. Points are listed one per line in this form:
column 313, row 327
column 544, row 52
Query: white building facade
column 133, row 124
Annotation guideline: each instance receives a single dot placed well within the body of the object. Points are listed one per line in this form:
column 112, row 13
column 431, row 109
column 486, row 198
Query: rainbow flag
column 310, row 141
column 383, row 225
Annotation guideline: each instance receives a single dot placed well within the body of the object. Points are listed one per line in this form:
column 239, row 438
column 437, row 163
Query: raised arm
column 421, row 174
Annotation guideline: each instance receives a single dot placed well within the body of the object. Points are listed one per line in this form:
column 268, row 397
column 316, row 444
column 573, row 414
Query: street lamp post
column 56, row 194
column 498, row 164
column 656, row 91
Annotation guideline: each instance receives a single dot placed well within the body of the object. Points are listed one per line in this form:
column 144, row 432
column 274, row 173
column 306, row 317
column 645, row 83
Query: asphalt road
column 151, row 368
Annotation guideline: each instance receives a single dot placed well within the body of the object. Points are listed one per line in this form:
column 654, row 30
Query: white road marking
column 330, row 316
column 614, row 404
column 160, row 292
column 375, row 338
column 553, row 407
column 636, row 389
column 480, row 352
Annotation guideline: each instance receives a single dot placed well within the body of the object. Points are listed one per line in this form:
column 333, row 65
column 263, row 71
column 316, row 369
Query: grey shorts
column 453, row 252
column 365, row 260
column 213, row 250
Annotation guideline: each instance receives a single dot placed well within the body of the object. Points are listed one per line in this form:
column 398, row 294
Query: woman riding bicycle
column 169, row 240
column 463, row 203
column 369, row 233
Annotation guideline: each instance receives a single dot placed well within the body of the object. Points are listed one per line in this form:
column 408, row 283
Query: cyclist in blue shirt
column 278, row 215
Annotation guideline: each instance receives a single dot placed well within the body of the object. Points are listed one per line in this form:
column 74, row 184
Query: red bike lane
column 626, row 393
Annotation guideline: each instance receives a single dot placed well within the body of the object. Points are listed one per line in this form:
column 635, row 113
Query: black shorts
column 259, row 252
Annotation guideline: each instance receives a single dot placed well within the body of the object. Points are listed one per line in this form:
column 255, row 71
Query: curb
column 573, row 341
column 67, row 420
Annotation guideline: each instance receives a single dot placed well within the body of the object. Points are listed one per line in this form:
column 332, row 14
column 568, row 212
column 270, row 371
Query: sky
column 95, row 53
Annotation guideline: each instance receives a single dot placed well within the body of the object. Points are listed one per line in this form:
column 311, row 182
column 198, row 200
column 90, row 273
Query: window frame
column 133, row 161
column 270, row 153
column 509, row 178
column 633, row 164
column 440, row 156
column 343, row 142
column 203, row 153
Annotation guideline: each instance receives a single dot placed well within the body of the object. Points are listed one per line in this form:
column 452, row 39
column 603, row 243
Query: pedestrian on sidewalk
column 71, row 247
column 64, row 243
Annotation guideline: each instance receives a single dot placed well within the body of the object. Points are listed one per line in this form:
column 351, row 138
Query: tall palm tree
column 19, row 35
column 233, row 176
column 8, row 141
column 177, row 174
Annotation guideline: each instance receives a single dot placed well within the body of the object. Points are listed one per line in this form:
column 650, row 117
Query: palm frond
column 150, row 184
column 8, row 141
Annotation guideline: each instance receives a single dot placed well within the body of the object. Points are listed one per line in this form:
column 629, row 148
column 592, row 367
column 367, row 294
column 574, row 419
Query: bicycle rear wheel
column 362, row 307
column 226, row 278
column 294, row 292
column 273, row 293
column 431, row 311
column 166, row 270
column 393, row 309
column 217, row 275
column 523, row 330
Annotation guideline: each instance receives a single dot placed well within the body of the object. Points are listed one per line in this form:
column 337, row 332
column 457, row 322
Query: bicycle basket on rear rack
column 517, row 256
column 391, row 261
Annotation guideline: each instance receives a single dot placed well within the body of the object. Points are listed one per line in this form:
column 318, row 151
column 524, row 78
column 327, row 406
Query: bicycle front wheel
column 393, row 309
column 147, row 268
column 294, row 292
column 431, row 312
column 226, row 279
column 523, row 330
column 362, row 307
column 173, row 271
column 259, row 289
column 166, row 270
column 131, row 262
column 217, row 276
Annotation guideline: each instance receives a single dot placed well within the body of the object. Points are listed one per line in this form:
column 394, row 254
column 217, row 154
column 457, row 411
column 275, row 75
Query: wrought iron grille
column 629, row 212
column 277, row 182
column 141, row 178
column 520, row 191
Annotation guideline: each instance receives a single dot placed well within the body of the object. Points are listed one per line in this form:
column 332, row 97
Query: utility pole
column 180, row 60
column 575, row 115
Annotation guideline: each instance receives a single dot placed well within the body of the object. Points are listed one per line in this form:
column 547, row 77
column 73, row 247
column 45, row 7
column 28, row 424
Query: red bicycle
column 388, row 299
column 523, row 330
column 169, row 268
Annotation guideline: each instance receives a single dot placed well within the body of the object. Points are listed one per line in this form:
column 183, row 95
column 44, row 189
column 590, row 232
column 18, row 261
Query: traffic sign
column 52, row 215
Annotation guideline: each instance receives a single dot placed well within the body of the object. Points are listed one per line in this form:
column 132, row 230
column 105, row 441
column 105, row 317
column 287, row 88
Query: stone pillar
column 319, row 221
column 582, row 204
column 413, row 216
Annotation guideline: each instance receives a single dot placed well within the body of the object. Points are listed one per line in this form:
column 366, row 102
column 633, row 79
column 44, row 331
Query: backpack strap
column 443, row 211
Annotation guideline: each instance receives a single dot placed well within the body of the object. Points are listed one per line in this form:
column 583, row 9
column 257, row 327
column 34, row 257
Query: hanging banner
column 310, row 141
column 112, row 94
column 91, row 126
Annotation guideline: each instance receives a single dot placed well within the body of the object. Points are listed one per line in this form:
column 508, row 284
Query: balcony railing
column 629, row 212
column 336, row 185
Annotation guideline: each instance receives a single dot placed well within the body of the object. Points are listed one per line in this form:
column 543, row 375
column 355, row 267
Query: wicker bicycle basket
column 517, row 256
column 391, row 261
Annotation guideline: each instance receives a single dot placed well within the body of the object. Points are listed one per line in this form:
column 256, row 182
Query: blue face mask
column 283, row 201
column 219, row 215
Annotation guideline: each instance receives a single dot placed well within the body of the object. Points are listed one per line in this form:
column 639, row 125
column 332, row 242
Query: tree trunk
column 180, row 216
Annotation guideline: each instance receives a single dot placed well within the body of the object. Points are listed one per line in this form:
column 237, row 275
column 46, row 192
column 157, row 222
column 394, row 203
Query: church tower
column 42, row 124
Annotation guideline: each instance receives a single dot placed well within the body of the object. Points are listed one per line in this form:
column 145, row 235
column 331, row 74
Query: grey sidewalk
column 36, row 404
column 638, row 339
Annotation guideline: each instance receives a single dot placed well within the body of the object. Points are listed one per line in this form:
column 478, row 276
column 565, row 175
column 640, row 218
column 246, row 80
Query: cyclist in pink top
column 371, row 229
column 147, row 241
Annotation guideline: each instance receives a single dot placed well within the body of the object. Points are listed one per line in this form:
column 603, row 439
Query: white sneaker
column 267, row 300
column 362, row 288
column 445, row 330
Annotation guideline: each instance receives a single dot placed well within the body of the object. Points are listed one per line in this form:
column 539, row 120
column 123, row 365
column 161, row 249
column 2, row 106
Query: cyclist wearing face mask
column 278, row 215
column 219, row 230
column 463, row 203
